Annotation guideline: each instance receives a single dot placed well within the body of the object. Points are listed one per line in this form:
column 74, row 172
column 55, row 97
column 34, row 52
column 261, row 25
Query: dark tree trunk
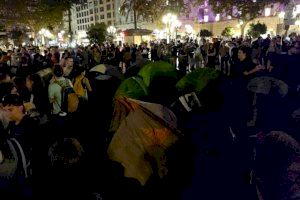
column 135, row 19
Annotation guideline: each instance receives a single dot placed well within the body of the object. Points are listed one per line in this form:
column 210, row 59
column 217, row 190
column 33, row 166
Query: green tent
column 197, row 80
column 157, row 69
column 132, row 87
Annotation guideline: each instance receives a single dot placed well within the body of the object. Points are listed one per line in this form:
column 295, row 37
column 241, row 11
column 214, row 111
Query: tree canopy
column 227, row 32
column 97, row 33
column 257, row 29
column 205, row 33
column 35, row 13
column 150, row 10
column 241, row 9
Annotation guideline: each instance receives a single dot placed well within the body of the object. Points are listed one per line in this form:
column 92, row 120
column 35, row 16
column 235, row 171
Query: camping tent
column 142, row 129
column 133, row 88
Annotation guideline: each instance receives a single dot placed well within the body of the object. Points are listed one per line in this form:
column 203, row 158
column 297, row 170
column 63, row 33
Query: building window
column 91, row 11
column 102, row 16
column 109, row 23
column 85, row 20
column 108, row 15
column 96, row 3
column 78, row 27
column 77, row 21
column 97, row 18
column 92, row 19
column 77, row 15
column 108, row 7
column 96, row 10
column 100, row 1
column 102, row 9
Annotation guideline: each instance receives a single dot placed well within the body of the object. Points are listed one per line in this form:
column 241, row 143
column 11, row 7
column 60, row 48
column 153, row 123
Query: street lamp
column 169, row 19
column 177, row 26
column 111, row 30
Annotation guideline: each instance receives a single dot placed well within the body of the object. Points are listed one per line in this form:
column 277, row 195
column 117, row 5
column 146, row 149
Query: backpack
column 70, row 99
column 13, row 161
column 79, row 88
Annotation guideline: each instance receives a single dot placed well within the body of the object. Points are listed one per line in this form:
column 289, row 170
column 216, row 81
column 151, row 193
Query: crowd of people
column 38, row 87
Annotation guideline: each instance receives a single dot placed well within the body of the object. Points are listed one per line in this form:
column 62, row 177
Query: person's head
column 278, row 40
column 13, row 107
column 4, row 77
column 69, row 62
column 243, row 53
column 58, row 71
column 33, row 82
column 79, row 71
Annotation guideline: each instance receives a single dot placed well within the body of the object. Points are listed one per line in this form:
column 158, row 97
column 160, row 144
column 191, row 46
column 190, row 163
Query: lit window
column 267, row 12
column 205, row 18
column 218, row 17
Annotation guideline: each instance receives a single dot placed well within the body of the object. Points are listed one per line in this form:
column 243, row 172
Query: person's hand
column 270, row 68
column 259, row 68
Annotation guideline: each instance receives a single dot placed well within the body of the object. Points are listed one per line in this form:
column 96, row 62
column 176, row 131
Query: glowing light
column 267, row 12
column 205, row 18
column 281, row 15
column 296, row 11
column 217, row 17
column 168, row 18
column 297, row 23
column 189, row 29
column 177, row 24
column 229, row 17
column 111, row 30
column 82, row 34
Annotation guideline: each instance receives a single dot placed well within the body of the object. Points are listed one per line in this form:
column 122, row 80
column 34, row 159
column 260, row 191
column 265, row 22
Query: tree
column 205, row 33
column 97, row 33
column 65, row 5
column 257, row 29
column 150, row 10
column 36, row 14
column 227, row 32
column 245, row 11
column 18, row 36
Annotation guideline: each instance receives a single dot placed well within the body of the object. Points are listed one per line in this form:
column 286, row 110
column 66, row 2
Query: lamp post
column 42, row 33
column 177, row 26
column 169, row 19
column 45, row 34
column 111, row 31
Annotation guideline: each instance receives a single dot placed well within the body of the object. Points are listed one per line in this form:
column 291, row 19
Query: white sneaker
column 62, row 114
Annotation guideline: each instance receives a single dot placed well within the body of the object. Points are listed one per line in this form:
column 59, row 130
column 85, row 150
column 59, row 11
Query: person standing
column 211, row 56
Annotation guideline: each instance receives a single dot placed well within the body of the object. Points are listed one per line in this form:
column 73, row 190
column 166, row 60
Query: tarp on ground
column 265, row 84
column 132, row 87
column 277, row 166
column 157, row 69
column 107, row 70
column 197, row 80
column 143, row 129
